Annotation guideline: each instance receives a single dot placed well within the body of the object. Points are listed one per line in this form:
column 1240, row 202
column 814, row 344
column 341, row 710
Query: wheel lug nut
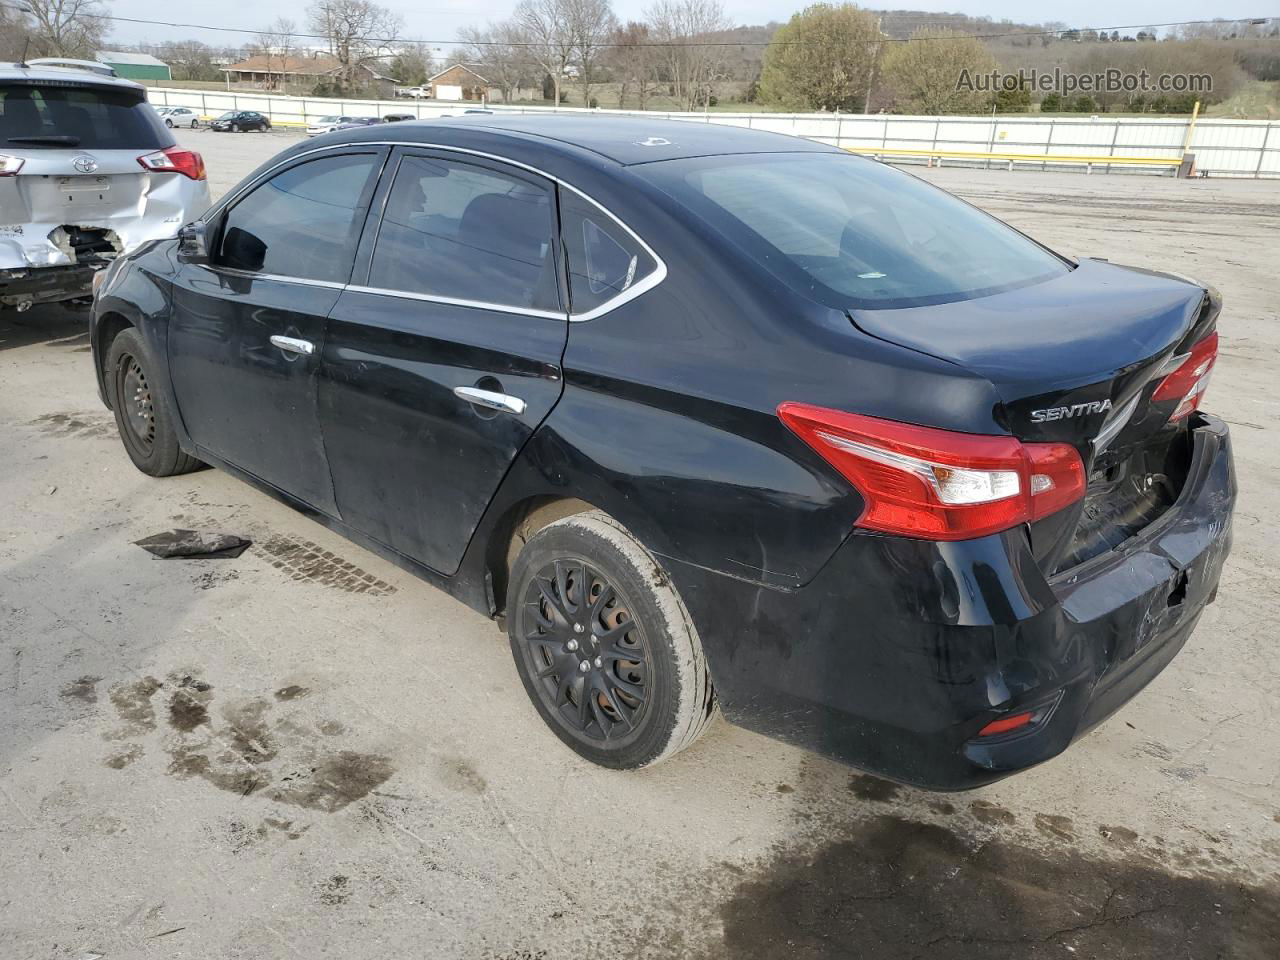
column 577, row 628
column 571, row 645
column 584, row 666
column 599, row 662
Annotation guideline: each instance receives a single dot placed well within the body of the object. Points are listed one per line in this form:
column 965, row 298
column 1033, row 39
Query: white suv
column 87, row 172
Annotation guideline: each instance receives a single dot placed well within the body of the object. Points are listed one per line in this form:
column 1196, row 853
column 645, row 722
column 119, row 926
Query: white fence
column 1228, row 148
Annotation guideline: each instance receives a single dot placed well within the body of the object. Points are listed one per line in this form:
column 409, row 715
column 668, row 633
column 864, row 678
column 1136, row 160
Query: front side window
column 605, row 260
column 855, row 233
column 301, row 223
column 463, row 232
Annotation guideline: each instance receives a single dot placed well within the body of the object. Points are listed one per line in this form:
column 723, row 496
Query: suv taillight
column 9, row 166
column 1190, row 380
column 175, row 160
column 938, row 484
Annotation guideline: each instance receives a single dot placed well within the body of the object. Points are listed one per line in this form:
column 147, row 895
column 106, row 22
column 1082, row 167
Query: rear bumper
column 900, row 651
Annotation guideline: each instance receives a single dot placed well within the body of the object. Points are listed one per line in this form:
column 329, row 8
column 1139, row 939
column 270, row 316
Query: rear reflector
column 175, row 160
column 1190, row 380
column 9, row 166
column 939, row 484
column 1015, row 721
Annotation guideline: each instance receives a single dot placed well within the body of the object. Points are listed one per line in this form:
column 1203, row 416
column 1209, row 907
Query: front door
column 247, row 329
column 443, row 356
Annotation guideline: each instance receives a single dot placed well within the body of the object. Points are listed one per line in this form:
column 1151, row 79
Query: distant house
column 135, row 66
column 459, row 82
column 272, row 71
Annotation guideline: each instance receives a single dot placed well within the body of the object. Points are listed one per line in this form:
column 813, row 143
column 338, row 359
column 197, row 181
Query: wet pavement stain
column 291, row 692
column 459, row 775
column 1118, row 835
column 992, row 814
column 1053, row 825
column 867, row 787
column 122, row 759
column 303, row 560
column 73, row 424
column 132, row 701
column 891, row 888
column 335, row 890
column 85, row 689
column 246, row 752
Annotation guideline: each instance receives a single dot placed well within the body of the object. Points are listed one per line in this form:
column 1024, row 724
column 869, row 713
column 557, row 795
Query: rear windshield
column 852, row 232
column 60, row 117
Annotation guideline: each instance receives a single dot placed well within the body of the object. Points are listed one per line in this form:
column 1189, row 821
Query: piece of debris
column 196, row 544
column 51, row 491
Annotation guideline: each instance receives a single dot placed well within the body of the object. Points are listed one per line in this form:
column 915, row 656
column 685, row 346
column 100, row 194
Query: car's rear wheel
column 142, row 416
column 604, row 645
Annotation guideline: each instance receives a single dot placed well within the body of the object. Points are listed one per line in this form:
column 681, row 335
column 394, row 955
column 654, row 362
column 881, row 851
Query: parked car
column 87, row 172
column 358, row 122
column 418, row 93
column 326, row 125
column 705, row 415
column 180, row 117
column 398, row 117
column 238, row 121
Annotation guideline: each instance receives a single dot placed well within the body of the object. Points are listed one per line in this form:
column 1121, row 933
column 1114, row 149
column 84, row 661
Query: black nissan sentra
column 706, row 418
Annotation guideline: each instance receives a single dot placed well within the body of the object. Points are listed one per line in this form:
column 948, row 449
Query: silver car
column 87, row 172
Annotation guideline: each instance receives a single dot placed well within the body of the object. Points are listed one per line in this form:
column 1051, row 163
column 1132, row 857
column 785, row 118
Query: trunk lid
column 1075, row 360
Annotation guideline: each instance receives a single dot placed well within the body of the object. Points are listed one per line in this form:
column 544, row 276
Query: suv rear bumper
column 900, row 651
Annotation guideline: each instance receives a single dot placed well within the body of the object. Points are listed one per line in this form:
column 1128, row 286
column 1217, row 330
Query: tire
column 235, row 128
column 195, row 124
column 168, row 123
column 142, row 414
column 640, row 711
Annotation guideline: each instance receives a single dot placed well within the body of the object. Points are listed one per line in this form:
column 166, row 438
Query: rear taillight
column 1189, row 381
column 175, row 160
column 938, row 484
column 9, row 166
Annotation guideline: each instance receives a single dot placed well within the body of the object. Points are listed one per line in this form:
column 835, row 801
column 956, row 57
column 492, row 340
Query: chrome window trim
column 643, row 286
column 250, row 275
column 455, row 302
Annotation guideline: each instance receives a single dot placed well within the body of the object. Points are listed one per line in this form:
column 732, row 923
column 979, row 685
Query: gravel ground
column 256, row 758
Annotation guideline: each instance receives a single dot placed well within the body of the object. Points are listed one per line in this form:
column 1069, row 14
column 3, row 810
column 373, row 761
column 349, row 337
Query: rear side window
column 605, row 260
column 88, row 118
column 855, row 233
column 302, row 222
column 463, row 232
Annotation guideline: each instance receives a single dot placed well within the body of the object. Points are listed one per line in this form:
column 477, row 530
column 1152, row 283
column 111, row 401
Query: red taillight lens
column 1188, row 383
column 938, row 484
column 1015, row 721
column 9, row 166
column 175, row 160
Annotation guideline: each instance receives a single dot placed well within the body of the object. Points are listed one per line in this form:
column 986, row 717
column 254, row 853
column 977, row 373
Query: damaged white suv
column 87, row 172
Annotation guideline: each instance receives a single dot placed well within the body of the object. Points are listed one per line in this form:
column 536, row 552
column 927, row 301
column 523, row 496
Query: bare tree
column 412, row 65
column 66, row 28
column 631, row 59
column 497, row 51
column 690, row 66
column 358, row 32
column 544, row 26
column 189, row 60
column 277, row 44
column 590, row 24
column 15, row 32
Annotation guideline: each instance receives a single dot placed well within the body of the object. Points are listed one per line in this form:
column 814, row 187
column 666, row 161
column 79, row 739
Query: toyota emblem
column 85, row 164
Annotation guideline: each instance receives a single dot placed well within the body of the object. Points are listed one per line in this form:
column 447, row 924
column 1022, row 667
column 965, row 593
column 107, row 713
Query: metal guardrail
column 1012, row 158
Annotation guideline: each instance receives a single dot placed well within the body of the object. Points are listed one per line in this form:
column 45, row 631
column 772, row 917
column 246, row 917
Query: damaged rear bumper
column 900, row 652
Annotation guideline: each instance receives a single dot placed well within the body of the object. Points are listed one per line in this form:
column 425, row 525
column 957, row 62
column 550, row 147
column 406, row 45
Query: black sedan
column 237, row 121
column 707, row 418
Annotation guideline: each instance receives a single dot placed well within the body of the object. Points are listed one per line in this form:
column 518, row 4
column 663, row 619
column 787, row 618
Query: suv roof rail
column 67, row 63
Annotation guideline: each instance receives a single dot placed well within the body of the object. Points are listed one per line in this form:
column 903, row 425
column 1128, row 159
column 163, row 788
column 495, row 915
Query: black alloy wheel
column 587, row 651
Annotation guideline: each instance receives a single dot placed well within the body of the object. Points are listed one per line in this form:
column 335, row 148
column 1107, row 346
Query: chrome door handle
column 494, row 401
column 294, row 345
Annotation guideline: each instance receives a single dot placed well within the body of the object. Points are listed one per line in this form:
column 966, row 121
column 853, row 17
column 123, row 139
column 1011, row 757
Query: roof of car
column 625, row 140
column 11, row 71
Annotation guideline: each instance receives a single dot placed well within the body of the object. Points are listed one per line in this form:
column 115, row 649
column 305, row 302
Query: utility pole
column 875, row 62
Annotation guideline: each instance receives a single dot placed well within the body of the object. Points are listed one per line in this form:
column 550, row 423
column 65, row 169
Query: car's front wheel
column 235, row 128
column 168, row 123
column 604, row 645
column 143, row 417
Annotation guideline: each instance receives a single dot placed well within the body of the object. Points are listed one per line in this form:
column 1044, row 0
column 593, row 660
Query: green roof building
column 135, row 66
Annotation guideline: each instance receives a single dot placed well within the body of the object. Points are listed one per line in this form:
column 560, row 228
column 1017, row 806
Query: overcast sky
column 440, row 19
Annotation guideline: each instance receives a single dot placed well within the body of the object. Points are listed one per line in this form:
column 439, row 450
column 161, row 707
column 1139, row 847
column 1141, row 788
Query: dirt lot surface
column 305, row 752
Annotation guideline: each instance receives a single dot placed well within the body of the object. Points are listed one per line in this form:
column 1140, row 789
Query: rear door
column 246, row 331
column 443, row 356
